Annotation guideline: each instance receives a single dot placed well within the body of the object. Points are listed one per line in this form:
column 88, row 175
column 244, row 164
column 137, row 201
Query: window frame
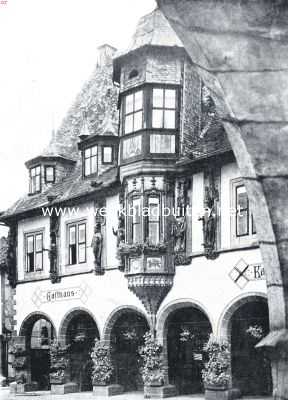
column 76, row 225
column 28, row 235
column 134, row 111
column 91, row 156
column 45, row 173
column 112, row 154
column 164, row 88
column 148, row 221
column 31, row 189
column 244, row 239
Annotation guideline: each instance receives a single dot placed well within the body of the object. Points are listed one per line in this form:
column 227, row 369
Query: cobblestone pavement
column 5, row 395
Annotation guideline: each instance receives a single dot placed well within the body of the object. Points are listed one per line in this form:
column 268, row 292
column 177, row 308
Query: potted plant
column 58, row 369
column 151, row 354
column 102, row 371
column 216, row 375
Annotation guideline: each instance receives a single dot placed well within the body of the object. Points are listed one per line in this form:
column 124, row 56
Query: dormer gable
column 46, row 170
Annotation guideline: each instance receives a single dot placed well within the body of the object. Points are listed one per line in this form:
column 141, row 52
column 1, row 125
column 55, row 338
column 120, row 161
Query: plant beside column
column 59, row 361
column 216, row 373
column 103, row 370
column 152, row 370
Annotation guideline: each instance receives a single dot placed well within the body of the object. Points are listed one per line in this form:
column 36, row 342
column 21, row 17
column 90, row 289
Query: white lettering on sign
column 81, row 293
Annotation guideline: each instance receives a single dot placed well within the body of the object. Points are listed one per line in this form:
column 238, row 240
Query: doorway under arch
column 188, row 329
column 39, row 332
column 250, row 367
column 127, row 335
column 79, row 330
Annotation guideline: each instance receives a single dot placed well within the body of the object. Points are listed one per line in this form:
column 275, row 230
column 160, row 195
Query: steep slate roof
column 98, row 101
column 71, row 187
column 152, row 30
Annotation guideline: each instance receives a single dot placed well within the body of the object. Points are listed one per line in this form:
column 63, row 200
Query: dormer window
column 49, row 174
column 90, row 161
column 164, row 108
column 107, row 154
column 133, row 120
column 35, row 179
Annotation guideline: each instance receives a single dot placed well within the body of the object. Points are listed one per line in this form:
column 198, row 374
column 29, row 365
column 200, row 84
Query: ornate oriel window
column 35, row 179
column 90, row 160
column 34, row 251
column 77, row 243
column 133, row 112
column 145, row 218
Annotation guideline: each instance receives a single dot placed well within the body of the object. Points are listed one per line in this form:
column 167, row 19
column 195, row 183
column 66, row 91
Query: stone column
column 240, row 49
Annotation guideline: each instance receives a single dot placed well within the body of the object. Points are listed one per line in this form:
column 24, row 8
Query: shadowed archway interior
column 80, row 333
column 251, row 372
column 39, row 332
column 188, row 330
column 126, row 338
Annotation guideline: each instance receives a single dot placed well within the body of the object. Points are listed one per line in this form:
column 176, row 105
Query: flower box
column 159, row 392
column 107, row 390
column 69, row 387
column 216, row 392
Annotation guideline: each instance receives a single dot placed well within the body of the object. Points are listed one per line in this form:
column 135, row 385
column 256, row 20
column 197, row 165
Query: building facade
column 137, row 218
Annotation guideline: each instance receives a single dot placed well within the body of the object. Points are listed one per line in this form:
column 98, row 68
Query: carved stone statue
column 11, row 255
column 180, row 234
column 96, row 244
column 209, row 224
column 53, row 252
column 120, row 233
column 209, row 228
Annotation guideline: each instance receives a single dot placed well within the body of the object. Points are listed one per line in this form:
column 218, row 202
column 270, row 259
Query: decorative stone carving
column 180, row 234
column 53, row 252
column 151, row 289
column 120, row 234
column 97, row 244
column 11, row 255
column 209, row 217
